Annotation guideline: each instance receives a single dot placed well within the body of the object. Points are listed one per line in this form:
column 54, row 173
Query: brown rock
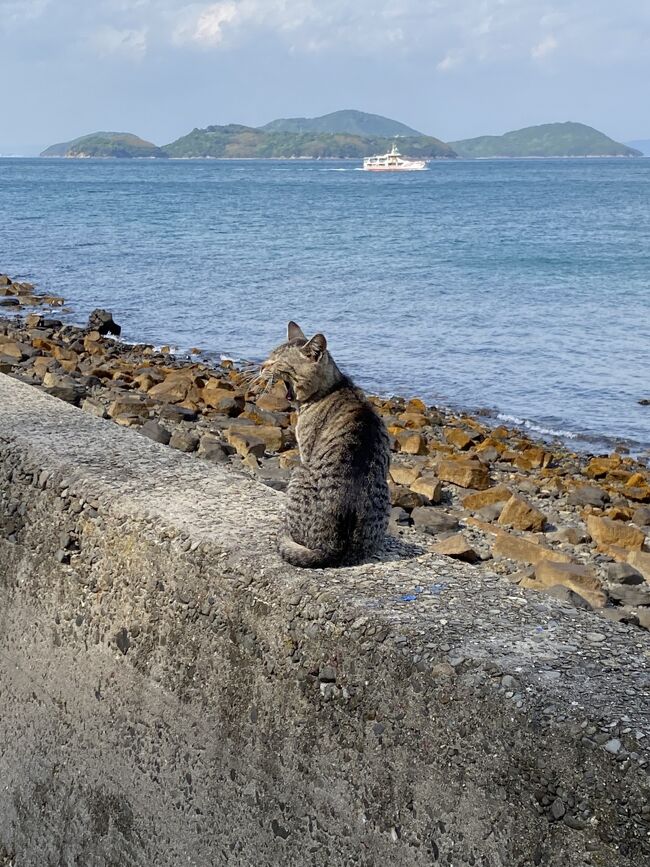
column 495, row 494
column 524, row 550
column 641, row 562
column 273, row 403
column 522, row 515
column 184, row 441
column 458, row 547
column 465, row 474
column 576, row 577
column 597, row 468
column 456, row 436
column 413, row 420
column 429, row 486
column 404, row 497
column 222, row 397
column 608, row 534
column 404, row 474
column 246, row 443
column 129, row 405
column 411, row 443
column 14, row 349
column 639, row 494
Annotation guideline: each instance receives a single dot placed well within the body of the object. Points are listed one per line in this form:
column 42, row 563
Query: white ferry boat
column 393, row 162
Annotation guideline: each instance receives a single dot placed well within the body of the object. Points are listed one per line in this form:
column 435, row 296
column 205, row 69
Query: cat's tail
column 306, row 558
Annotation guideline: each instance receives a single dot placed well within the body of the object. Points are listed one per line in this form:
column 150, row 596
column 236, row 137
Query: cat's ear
column 294, row 332
column 315, row 347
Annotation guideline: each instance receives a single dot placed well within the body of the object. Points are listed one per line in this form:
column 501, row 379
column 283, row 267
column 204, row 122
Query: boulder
column 129, row 405
column 524, row 550
column 212, row 449
column 174, row 413
column 495, row 494
column 430, row 487
column 641, row 516
column 588, row 495
column 522, row 515
column 411, row 442
column 184, row 441
column 640, row 560
column 624, row 573
column 404, row 498
column 597, row 468
column 433, row 521
column 102, row 321
column 458, row 548
column 156, row 432
column 404, row 474
column 608, row 534
column 465, row 474
column 245, row 442
column 576, row 577
column 458, row 437
column 174, row 388
column 627, row 594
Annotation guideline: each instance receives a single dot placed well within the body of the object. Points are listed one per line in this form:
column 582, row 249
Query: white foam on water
column 529, row 425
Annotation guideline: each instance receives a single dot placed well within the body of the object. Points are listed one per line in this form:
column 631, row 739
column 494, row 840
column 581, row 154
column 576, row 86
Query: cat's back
column 343, row 426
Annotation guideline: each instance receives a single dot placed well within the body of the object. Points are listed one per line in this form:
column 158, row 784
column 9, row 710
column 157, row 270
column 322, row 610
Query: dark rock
column 433, row 520
column 122, row 640
column 184, row 441
column 564, row 594
column 169, row 412
column 623, row 573
column 103, row 322
column 212, row 449
column 588, row 495
column 645, row 401
column 399, row 517
column 9, row 302
column 632, row 596
column 156, row 432
column 641, row 516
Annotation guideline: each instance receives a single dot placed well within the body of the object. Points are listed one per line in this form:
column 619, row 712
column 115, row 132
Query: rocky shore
column 571, row 525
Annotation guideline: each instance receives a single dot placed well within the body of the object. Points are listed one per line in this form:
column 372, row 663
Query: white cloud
column 543, row 48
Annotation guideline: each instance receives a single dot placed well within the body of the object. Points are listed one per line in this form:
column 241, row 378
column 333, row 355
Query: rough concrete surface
column 173, row 694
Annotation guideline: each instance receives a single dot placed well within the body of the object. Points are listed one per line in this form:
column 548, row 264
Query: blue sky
column 450, row 68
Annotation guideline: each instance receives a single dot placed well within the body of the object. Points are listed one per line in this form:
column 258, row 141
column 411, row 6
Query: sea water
column 521, row 286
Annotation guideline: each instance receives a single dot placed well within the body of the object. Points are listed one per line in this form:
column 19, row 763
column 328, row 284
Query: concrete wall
column 173, row 694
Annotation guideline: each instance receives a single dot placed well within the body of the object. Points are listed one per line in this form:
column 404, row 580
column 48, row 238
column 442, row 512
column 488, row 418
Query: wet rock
column 156, row 432
column 522, row 515
column 458, row 548
column 433, row 521
column 464, row 473
column 102, row 321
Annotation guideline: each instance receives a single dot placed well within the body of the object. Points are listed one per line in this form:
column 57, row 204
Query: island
column 347, row 121
column 123, row 145
column 244, row 142
column 547, row 140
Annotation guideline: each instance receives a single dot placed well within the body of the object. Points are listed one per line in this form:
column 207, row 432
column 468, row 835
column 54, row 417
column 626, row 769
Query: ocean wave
column 537, row 428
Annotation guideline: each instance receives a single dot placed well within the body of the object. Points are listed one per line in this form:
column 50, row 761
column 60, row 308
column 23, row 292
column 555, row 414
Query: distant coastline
column 345, row 135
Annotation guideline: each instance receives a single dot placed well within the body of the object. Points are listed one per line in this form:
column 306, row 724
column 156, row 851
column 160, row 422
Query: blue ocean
column 518, row 286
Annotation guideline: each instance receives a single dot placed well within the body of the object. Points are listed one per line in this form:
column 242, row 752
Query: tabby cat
column 337, row 499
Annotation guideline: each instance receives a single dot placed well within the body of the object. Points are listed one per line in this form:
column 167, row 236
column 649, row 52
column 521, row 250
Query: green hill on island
column 243, row 142
column 548, row 140
column 106, row 144
column 348, row 121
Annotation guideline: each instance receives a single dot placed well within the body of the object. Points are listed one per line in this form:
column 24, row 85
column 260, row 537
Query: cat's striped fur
column 337, row 500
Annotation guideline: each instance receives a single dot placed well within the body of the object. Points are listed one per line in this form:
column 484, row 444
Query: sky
column 449, row 68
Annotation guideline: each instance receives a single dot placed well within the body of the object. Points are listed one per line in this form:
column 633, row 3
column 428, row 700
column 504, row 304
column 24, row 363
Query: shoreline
column 539, row 514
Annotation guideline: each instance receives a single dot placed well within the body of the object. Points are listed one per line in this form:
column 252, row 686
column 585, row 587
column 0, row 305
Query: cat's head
column 305, row 366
